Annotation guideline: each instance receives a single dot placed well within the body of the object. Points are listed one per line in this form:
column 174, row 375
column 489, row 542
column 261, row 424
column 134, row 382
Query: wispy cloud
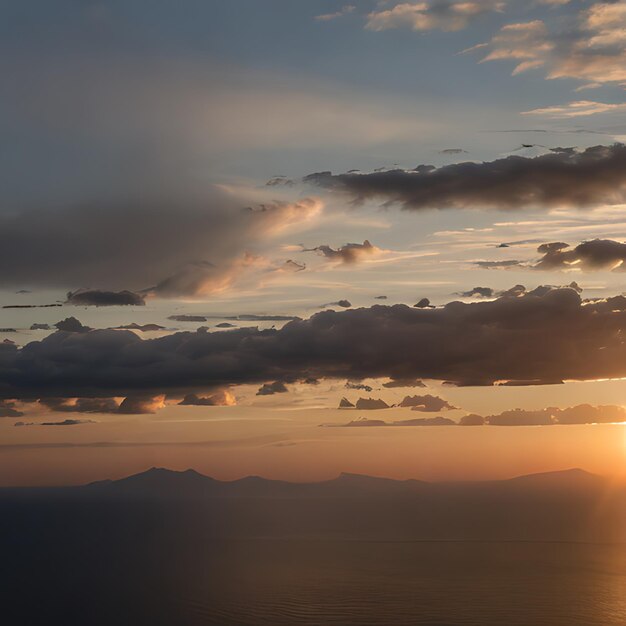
column 431, row 15
column 580, row 108
column 327, row 17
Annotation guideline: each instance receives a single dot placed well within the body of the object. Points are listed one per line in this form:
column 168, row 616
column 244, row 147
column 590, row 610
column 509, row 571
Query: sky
column 220, row 219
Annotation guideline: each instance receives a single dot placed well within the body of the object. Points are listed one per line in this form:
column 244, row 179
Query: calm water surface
column 482, row 584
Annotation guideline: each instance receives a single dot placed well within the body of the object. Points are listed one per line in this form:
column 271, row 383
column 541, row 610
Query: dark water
column 482, row 584
column 151, row 564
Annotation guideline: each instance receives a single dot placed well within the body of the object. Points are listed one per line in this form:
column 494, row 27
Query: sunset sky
column 289, row 203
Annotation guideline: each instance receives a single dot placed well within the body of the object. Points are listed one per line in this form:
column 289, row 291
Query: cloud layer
column 541, row 337
column 563, row 178
column 197, row 249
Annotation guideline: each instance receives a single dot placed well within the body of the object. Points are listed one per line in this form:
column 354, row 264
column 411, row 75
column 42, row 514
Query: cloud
column 498, row 265
column 140, row 405
column 403, row 382
column 363, row 421
column 7, row 409
column 580, row 414
column 431, row 15
column 95, row 297
column 478, row 292
column 370, row 404
column 188, row 318
column 421, row 421
column 81, row 405
column 359, row 386
column 514, row 292
column 427, row 403
column 598, row 254
column 539, row 337
column 453, row 151
column 344, row 304
column 519, row 417
column 426, row 421
column 587, row 414
column 327, row 17
column 559, row 179
column 67, row 422
column 269, row 389
column 348, row 254
column 143, row 328
column 263, row 318
column 590, row 48
column 224, row 397
column 128, row 406
column 424, row 303
column 472, row 420
column 200, row 247
column 71, row 325
column 580, row 108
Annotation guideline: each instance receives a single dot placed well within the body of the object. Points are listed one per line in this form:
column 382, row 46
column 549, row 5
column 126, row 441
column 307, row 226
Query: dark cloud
column 587, row 414
column 496, row 265
column 280, row 181
column 344, row 304
column 427, row 403
column 95, row 297
column 140, row 405
column 598, row 254
column 478, row 292
column 540, row 338
column 380, row 298
column 421, row 421
column 71, row 325
column 81, row 405
column 220, row 398
column 350, row 253
column 144, row 328
column 345, row 404
column 67, row 422
column 359, row 386
column 188, row 318
column 130, row 244
column 40, row 327
column 269, row 389
column 520, row 290
column 519, row 417
column 580, row 414
column 263, row 318
column 514, row 292
column 472, row 420
column 30, row 306
column 424, row 303
column 589, row 178
column 7, row 409
column 293, row 266
column 371, row 404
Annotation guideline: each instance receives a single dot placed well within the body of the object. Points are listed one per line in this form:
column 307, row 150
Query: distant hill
column 570, row 505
